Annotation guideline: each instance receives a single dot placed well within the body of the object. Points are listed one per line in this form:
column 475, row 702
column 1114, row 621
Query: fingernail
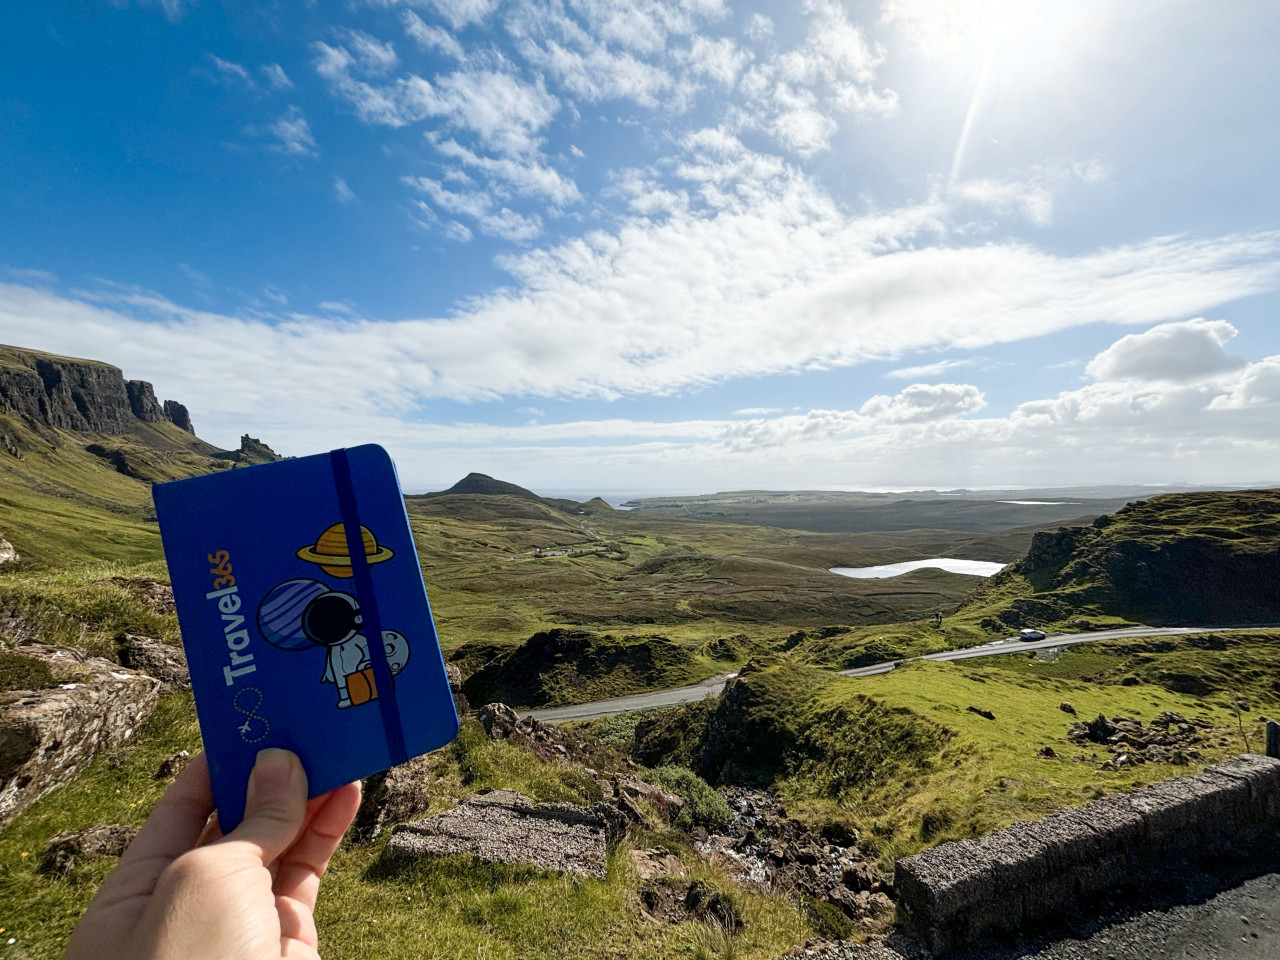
column 272, row 772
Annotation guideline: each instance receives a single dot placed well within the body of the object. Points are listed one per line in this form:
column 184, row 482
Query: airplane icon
column 245, row 728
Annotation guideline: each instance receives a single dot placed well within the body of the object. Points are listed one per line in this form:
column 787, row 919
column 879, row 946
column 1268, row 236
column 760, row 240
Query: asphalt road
column 713, row 685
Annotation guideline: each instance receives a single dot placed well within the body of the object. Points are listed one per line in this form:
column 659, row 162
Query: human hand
column 182, row 891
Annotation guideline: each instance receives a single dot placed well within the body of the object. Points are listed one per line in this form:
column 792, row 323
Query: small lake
column 974, row 568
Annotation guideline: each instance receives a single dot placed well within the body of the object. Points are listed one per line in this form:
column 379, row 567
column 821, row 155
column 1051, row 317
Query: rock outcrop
column 68, row 393
column 142, row 401
column 501, row 722
column 393, row 796
column 164, row 661
column 507, row 827
column 764, row 847
column 48, row 736
column 177, row 414
column 8, row 553
column 68, row 850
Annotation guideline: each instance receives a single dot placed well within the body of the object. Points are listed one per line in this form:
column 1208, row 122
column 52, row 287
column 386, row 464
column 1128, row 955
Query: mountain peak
column 482, row 483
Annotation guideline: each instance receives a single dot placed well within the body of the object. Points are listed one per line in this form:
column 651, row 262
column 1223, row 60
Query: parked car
column 1029, row 634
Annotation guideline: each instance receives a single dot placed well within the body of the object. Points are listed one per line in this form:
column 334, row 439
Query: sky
column 666, row 245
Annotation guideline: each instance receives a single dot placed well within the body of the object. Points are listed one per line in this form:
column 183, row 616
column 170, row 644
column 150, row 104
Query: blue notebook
column 284, row 573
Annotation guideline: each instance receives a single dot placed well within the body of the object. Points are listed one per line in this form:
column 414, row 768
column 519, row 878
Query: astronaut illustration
column 298, row 614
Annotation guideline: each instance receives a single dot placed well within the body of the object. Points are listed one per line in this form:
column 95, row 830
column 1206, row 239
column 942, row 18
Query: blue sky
column 666, row 244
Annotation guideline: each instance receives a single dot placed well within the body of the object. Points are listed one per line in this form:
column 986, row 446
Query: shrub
column 703, row 805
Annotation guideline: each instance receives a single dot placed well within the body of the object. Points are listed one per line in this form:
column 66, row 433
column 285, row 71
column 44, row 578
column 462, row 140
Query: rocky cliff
column 67, row 393
column 1178, row 558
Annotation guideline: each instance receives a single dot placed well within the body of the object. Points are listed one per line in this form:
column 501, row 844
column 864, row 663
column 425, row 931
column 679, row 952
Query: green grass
column 83, row 606
column 453, row 907
column 901, row 759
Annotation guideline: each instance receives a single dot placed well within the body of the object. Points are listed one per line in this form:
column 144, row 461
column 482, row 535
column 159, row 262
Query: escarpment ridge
column 69, row 393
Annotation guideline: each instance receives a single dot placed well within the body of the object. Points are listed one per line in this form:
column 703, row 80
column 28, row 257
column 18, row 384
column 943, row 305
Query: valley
column 544, row 602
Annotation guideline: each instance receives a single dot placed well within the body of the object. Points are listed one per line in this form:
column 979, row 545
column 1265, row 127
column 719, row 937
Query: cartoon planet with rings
column 331, row 553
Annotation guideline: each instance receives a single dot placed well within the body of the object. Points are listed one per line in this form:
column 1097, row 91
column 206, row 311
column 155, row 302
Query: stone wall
column 1032, row 872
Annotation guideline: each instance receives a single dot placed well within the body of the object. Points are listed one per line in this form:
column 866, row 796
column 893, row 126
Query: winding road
column 713, row 685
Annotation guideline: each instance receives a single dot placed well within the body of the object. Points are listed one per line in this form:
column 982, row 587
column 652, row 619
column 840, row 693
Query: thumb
column 276, row 804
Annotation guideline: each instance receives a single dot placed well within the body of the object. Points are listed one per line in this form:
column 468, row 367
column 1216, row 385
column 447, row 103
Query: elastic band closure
column 372, row 623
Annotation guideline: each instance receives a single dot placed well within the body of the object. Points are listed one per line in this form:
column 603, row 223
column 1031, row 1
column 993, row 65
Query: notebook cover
column 277, row 595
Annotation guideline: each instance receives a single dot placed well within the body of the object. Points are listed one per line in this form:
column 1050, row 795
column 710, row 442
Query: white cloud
column 1030, row 194
column 294, row 134
column 526, row 175
column 921, row 402
column 938, row 369
column 505, row 113
column 756, row 411
column 460, row 13
column 1186, row 351
column 273, row 374
column 718, row 60
column 276, row 76
column 1033, row 200
column 430, row 37
column 174, row 10
column 457, row 232
column 229, row 69
column 194, row 275
column 503, row 222
column 372, row 56
column 341, row 192
column 797, row 95
column 759, row 28
column 1258, row 384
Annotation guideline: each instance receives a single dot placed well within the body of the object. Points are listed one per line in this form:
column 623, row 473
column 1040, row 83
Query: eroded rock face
column 8, row 554
column 143, row 402
column 504, row 826
column 48, row 736
column 177, row 413
column 393, row 796
column 164, row 661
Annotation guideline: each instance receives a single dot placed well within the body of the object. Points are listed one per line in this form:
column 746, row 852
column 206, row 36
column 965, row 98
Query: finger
column 306, row 861
column 172, row 829
column 275, row 807
column 177, row 818
column 297, row 925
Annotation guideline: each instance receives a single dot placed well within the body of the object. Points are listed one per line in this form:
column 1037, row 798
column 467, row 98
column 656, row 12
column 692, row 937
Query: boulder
column 667, row 803
column 657, row 863
column 68, row 850
column 170, row 767
column 499, row 720
column 8, row 554
column 504, row 826
column 455, row 687
column 48, row 736
column 164, row 661
column 393, row 796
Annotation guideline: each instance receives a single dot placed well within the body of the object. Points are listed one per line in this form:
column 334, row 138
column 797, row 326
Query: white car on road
column 1030, row 634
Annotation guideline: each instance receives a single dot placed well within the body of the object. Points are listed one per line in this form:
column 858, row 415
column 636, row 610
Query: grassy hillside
column 1181, row 558
column 902, row 758
column 859, row 512
column 442, row 908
